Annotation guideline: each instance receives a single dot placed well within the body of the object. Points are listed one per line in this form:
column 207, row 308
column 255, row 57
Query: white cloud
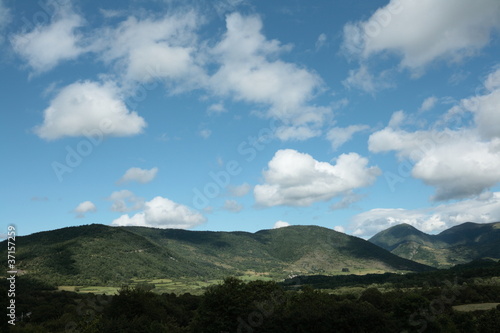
column 397, row 119
column 150, row 49
column 339, row 228
column 408, row 143
column 363, row 79
column 125, row 201
column 492, row 82
column 47, row 45
column 240, row 190
column 459, row 163
column 86, row 108
column 139, row 175
column 423, row 31
column 340, row 135
column 249, row 71
column 460, row 169
column 281, row 224
column 165, row 49
column 486, row 108
column 428, row 103
column 232, row 206
column 297, row 179
column 483, row 209
column 83, row 208
column 162, row 213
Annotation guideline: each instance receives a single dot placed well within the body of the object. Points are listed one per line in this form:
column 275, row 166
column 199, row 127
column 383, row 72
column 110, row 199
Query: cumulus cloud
column 46, row 46
column 125, row 201
column 162, row 213
column 232, row 206
column 482, row 209
column 240, row 190
column 492, row 82
column 424, row 31
column 281, row 224
column 459, row 163
column 146, row 49
column 486, row 107
column 250, row 72
column 139, row 175
column 340, row 135
column 89, row 108
column 460, row 169
column 297, row 179
column 83, row 208
column 149, row 49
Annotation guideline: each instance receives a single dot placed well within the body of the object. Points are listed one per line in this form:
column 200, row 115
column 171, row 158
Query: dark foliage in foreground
column 235, row 306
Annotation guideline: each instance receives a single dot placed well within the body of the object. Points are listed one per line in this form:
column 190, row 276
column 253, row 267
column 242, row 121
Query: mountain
column 456, row 245
column 98, row 254
column 393, row 237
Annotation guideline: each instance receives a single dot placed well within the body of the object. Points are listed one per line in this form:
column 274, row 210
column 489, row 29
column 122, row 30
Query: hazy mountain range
column 457, row 245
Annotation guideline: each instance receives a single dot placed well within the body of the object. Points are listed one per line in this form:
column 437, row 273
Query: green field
column 475, row 307
column 176, row 286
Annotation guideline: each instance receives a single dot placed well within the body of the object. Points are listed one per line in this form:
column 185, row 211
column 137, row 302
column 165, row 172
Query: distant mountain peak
column 458, row 244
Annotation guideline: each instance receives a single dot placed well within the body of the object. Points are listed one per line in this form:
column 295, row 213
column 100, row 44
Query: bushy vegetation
column 144, row 261
column 424, row 304
column 464, row 273
column 98, row 255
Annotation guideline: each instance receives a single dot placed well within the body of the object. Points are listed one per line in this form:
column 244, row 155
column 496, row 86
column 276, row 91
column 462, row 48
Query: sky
column 244, row 115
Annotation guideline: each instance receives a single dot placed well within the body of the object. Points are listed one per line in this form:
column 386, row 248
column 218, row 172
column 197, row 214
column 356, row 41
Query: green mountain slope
column 97, row 254
column 457, row 245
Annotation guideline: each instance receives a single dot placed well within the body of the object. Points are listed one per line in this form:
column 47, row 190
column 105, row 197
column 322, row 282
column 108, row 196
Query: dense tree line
column 465, row 273
column 235, row 306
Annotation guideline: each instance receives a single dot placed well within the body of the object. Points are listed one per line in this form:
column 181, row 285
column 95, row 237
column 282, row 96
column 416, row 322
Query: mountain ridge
column 101, row 255
column 456, row 245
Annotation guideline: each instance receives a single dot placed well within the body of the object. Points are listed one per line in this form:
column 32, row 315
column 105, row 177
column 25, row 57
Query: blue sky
column 246, row 115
